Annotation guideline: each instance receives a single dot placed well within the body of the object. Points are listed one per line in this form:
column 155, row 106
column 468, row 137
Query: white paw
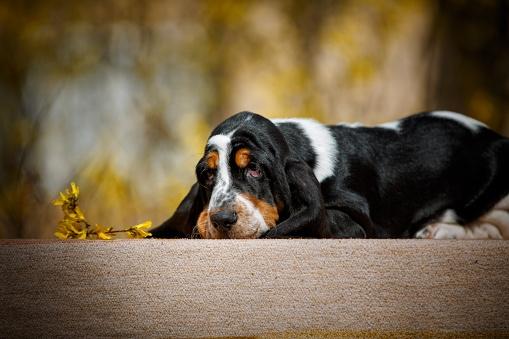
column 442, row 231
column 427, row 232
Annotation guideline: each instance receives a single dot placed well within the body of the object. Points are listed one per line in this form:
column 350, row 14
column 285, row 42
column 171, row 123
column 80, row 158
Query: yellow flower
column 81, row 234
column 69, row 229
column 75, row 190
column 61, row 235
column 138, row 231
column 74, row 213
column 143, row 225
column 61, row 232
column 102, row 232
column 75, row 226
column 62, row 199
column 69, row 198
column 79, row 213
column 103, row 236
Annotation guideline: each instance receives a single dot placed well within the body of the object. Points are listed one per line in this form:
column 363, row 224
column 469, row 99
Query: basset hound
column 435, row 174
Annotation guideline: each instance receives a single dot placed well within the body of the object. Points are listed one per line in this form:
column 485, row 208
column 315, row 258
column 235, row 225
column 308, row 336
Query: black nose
column 224, row 219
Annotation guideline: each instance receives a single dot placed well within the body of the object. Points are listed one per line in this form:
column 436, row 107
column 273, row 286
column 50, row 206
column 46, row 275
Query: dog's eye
column 210, row 174
column 207, row 176
column 253, row 171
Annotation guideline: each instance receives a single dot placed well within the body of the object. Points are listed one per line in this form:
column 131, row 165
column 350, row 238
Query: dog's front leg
column 341, row 225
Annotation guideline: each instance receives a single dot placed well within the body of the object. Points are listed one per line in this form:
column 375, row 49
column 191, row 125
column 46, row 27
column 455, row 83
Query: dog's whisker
column 194, row 233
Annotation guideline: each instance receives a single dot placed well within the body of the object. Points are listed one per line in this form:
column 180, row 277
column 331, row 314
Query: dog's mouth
column 240, row 230
column 237, row 235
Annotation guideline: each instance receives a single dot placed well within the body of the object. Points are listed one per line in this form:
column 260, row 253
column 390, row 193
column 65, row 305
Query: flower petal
column 143, row 225
column 75, row 190
column 61, row 236
column 104, row 236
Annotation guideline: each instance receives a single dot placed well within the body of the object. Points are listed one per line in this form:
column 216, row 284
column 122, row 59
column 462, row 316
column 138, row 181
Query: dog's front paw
column 427, row 232
column 447, row 231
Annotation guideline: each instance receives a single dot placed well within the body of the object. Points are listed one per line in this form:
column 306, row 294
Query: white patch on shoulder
column 393, row 125
column 323, row 144
column 222, row 144
column 468, row 122
column 351, row 124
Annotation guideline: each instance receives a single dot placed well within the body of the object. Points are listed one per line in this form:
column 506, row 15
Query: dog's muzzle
column 224, row 220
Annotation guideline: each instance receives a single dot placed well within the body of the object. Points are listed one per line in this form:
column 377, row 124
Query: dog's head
column 247, row 182
column 241, row 179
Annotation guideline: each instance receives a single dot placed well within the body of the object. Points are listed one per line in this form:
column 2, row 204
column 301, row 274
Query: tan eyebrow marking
column 242, row 157
column 213, row 159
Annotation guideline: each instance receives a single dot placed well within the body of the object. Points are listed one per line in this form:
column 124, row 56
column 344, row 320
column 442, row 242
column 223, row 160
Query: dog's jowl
column 431, row 175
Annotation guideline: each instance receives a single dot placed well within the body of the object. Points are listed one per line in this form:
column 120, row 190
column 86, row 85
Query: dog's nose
column 224, row 219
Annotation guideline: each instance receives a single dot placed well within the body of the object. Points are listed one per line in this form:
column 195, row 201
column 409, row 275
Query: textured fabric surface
column 168, row 288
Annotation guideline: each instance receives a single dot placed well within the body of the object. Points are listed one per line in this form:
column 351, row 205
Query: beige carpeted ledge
column 166, row 288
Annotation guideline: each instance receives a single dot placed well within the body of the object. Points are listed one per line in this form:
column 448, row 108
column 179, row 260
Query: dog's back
column 429, row 169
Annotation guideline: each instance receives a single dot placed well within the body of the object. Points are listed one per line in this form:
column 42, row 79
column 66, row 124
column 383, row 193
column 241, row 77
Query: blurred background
column 120, row 96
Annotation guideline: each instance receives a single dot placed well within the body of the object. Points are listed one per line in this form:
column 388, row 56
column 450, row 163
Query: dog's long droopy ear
column 181, row 224
column 304, row 205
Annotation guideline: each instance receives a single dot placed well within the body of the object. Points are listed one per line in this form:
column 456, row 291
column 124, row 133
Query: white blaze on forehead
column 222, row 144
column 323, row 144
column 468, row 122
